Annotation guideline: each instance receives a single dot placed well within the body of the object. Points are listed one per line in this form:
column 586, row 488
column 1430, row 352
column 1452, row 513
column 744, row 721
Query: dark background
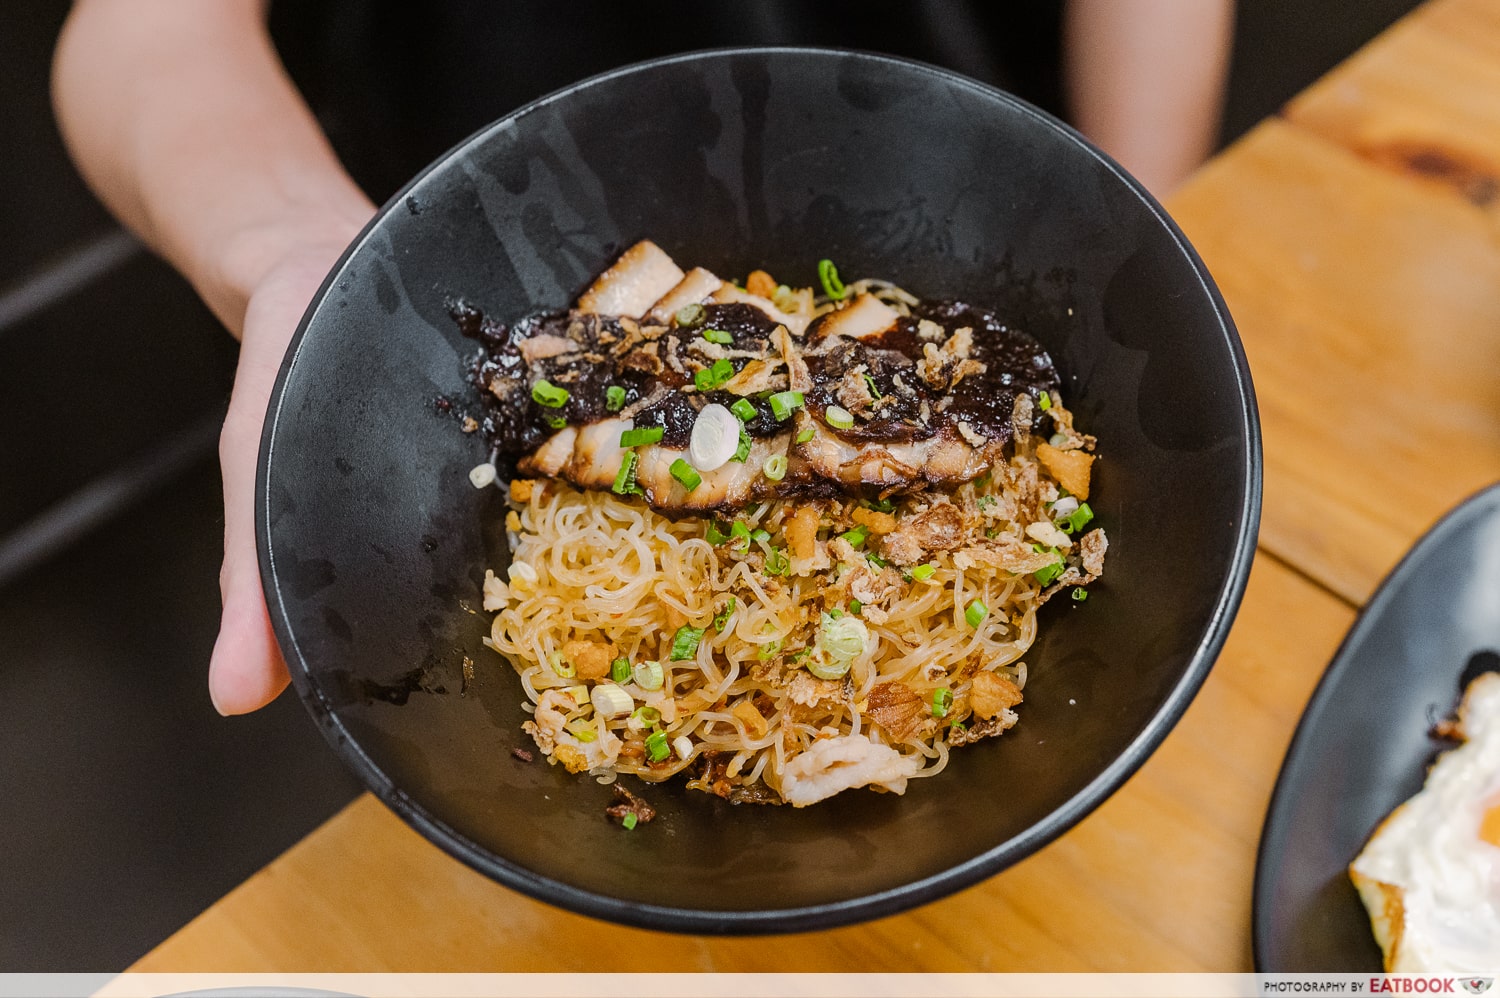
column 129, row 805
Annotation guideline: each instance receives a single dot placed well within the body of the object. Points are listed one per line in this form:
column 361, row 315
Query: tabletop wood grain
column 1356, row 238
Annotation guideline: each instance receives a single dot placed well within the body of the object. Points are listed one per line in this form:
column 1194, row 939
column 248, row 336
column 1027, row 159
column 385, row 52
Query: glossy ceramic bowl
column 374, row 544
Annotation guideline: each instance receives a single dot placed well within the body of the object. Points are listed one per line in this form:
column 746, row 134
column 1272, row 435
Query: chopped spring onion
column 838, row 417
column 619, row 670
column 942, row 701
column 641, row 436
column 827, row 669
column 712, row 377
column 855, row 606
column 828, row 276
column 721, row 619
column 648, row 676
column 739, row 534
column 625, row 477
column 1044, row 400
column 1079, row 595
column 976, row 613
column 1048, row 574
column 557, row 422
column 580, row 694
column 714, row 439
column 744, row 409
column 685, row 642
column 760, row 535
column 481, row 475
column 743, row 450
column 777, row 563
column 718, row 336
column 546, row 393
column 768, row 650
column 783, row 403
column 646, row 716
column 982, row 481
column 689, row 315
column 1077, row 519
column 683, row 746
column 959, row 726
column 656, row 746
column 611, row 701
column 923, row 572
column 686, row 474
column 775, row 467
column 582, row 730
column 629, row 821
column 843, row 639
column 522, row 573
column 870, row 384
column 614, row 398
column 805, row 435
column 880, row 505
column 876, row 560
column 856, row 536
column 714, row 535
column 985, row 502
column 561, row 665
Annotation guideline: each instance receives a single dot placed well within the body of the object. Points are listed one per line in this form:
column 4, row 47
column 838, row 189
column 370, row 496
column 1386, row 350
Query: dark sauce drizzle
column 517, row 424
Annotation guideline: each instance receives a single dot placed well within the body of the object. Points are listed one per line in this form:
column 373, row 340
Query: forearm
column 181, row 118
column 1145, row 80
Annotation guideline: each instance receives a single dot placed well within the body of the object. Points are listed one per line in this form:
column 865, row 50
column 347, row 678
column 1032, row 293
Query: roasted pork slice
column 728, row 294
column 729, row 487
column 865, row 316
column 871, row 402
column 693, row 289
column 642, row 275
column 596, row 454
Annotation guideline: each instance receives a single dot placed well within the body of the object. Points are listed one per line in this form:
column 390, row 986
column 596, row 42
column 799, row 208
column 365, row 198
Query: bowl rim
column 835, row 913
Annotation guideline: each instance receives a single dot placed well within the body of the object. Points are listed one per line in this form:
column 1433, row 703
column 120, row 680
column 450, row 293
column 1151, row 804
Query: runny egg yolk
column 1489, row 825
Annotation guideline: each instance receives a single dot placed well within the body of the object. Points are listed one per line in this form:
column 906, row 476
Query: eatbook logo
column 1477, row 985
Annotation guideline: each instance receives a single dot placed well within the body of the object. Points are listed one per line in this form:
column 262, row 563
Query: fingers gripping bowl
column 374, row 545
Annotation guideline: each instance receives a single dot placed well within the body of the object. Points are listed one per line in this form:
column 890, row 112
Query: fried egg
column 1430, row 875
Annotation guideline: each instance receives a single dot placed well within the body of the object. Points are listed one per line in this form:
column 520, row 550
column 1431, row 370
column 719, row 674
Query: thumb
column 247, row 671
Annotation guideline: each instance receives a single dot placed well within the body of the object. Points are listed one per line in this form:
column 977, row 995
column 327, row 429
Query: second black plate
column 1363, row 744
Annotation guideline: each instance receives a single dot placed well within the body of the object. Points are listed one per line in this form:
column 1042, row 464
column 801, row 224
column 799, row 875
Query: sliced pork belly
column 728, row 293
column 865, row 316
column 725, row 489
column 889, row 403
column 637, row 279
column 697, row 287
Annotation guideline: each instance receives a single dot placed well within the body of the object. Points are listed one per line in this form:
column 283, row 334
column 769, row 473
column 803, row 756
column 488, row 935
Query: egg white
column 1431, row 883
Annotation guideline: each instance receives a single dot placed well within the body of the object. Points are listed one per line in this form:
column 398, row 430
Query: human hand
column 184, row 122
column 246, row 671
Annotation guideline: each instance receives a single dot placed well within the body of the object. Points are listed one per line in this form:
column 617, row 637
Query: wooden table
column 1356, row 237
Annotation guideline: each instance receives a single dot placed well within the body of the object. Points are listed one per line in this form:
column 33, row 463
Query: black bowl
column 373, row 543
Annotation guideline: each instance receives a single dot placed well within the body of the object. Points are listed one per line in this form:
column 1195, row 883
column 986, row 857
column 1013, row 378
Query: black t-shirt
column 396, row 83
